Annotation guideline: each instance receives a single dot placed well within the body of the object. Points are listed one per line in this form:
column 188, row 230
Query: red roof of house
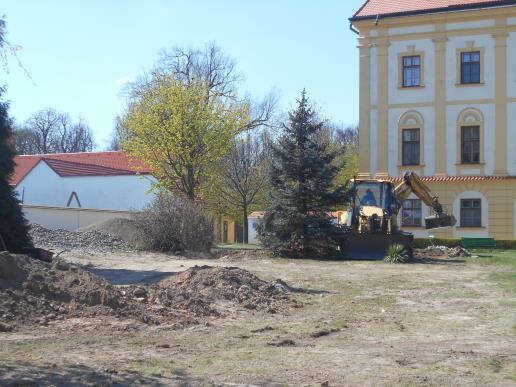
column 80, row 164
column 447, row 179
column 373, row 8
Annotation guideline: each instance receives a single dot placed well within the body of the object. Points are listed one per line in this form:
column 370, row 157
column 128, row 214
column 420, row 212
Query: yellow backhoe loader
column 370, row 223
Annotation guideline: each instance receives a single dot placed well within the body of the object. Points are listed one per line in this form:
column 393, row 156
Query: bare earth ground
column 364, row 323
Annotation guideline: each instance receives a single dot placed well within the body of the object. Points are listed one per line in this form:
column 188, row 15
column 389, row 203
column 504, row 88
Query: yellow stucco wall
column 500, row 198
column 218, row 229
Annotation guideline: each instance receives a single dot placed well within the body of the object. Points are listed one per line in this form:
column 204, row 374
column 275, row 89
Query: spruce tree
column 297, row 223
column 13, row 226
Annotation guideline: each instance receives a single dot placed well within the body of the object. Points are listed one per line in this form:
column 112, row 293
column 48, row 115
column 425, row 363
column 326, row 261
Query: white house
column 78, row 189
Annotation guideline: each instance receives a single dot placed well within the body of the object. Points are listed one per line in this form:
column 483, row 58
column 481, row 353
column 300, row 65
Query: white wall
column 511, row 138
column 253, row 235
column 511, row 65
column 470, row 92
column 374, row 75
column 68, row 218
column 42, row 186
column 373, row 138
column 410, row 95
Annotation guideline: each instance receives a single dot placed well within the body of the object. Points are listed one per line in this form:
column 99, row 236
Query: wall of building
column 498, row 209
column 42, row 186
column 68, row 218
column 253, row 234
column 484, row 30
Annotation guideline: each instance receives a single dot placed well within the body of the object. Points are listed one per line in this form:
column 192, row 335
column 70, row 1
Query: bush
column 174, row 224
column 506, row 244
column 396, row 254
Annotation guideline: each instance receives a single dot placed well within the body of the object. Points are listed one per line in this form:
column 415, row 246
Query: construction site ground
column 435, row 322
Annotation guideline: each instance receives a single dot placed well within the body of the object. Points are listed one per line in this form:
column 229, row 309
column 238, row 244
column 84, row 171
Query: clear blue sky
column 79, row 53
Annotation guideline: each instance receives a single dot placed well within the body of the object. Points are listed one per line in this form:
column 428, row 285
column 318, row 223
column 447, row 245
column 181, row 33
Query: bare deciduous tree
column 245, row 176
column 49, row 131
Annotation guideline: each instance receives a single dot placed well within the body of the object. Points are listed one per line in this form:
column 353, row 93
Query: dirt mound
column 207, row 291
column 88, row 241
column 35, row 291
column 120, row 228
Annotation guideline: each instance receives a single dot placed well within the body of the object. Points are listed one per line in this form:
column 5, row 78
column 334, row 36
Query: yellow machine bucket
column 440, row 221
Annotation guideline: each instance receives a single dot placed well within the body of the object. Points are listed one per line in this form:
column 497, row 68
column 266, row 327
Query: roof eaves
column 452, row 8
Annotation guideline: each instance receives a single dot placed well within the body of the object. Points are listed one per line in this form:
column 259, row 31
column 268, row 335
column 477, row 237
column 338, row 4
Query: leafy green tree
column 13, row 226
column 181, row 131
column 303, row 192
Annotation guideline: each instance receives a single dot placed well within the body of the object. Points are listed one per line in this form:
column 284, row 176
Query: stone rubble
column 87, row 241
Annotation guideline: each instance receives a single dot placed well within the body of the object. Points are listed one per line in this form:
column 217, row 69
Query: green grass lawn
column 504, row 258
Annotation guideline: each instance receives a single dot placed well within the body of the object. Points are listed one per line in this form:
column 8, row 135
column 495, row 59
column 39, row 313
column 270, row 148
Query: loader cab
column 373, row 193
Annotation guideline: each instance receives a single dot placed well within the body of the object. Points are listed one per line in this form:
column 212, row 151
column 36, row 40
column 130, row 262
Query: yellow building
column 226, row 230
column 438, row 97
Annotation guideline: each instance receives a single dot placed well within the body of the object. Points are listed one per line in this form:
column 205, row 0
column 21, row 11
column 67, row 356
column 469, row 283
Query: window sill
column 411, row 166
column 462, row 228
column 470, row 84
column 411, row 87
column 472, row 165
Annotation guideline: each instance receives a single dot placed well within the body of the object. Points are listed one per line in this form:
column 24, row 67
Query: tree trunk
column 246, row 225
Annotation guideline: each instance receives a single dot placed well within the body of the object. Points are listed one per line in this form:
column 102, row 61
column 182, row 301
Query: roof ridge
column 70, row 153
column 85, row 164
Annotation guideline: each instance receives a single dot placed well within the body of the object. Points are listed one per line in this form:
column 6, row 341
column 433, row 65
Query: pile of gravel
column 88, row 241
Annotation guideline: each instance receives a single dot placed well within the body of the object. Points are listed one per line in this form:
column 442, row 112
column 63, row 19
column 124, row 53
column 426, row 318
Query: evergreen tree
column 302, row 176
column 13, row 226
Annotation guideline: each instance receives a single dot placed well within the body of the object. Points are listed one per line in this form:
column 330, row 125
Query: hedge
column 421, row 243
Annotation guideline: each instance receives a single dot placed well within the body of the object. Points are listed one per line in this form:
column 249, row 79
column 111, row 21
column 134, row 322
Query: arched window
column 471, row 208
column 410, row 145
column 470, row 140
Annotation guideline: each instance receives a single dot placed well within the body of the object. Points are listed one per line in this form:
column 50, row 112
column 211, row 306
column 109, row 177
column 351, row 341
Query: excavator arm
column 412, row 183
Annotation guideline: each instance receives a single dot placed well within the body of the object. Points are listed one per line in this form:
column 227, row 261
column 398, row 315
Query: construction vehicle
column 370, row 222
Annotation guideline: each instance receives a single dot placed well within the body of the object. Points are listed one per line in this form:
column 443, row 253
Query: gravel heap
column 90, row 241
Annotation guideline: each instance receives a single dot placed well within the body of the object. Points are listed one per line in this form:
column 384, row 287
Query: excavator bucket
column 440, row 221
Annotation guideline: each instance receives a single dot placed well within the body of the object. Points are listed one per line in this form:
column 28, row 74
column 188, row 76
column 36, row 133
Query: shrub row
column 421, row 243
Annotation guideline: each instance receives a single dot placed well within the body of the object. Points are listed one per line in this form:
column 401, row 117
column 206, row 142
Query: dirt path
column 363, row 323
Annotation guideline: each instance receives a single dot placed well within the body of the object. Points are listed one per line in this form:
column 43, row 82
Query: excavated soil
column 37, row 292
column 208, row 291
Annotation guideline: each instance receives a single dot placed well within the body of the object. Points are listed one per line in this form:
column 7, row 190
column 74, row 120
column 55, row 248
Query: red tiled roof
column 80, row 164
column 373, row 8
column 451, row 179
column 261, row 214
